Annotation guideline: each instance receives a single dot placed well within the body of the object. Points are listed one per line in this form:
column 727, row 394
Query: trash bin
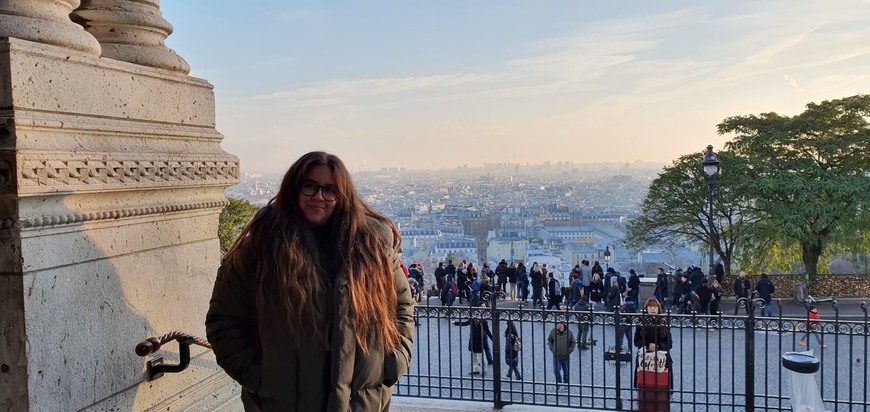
column 805, row 395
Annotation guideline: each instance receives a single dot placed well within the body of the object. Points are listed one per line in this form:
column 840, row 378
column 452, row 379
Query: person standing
column 512, row 348
column 439, row 277
column 715, row 297
column 765, row 290
column 501, row 276
column 312, row 279
column 561, row 343
column 476, row 341
column 537, row 286
column 512, row 279
column 586, row 277
column 462, row 282
column 653, row 335
column 449, row 270
column 596, row 291
column 634, row 285
column 661, row 292
column 523, row 284
column 554, row 292
column 585, row 320
column 742, row 289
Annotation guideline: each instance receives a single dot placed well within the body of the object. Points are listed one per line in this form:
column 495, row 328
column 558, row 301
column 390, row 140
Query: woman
column 477, row 342
column 511, row 354
column 462, row 281
column 537, row 285
column 596, row 291
column 653, row 334
column 512, row 279
column 310, row 309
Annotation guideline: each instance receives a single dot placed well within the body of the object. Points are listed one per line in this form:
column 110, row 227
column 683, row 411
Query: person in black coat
column 439, row 276
column 661, row 292
column 742, row 289
column 523, row 283
column 654, row 334
column 681, row 294
column 537, row 285
column 511, row 356
column 634, row 285
column 765, row 290
column 501, row 276
column 479, row 332
column 719, row 272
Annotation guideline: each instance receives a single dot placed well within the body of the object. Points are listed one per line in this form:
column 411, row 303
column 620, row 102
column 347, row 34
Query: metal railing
column 720, row 362
column 155, row 367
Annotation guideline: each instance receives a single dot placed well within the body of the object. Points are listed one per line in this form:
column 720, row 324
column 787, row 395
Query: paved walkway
column 408, row 404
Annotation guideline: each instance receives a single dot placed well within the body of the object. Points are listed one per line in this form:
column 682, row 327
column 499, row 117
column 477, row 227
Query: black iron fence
column 722, row 362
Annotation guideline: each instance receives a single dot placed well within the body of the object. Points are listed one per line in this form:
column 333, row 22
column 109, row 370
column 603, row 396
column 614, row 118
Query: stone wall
column 840, row 286
column 111, row 182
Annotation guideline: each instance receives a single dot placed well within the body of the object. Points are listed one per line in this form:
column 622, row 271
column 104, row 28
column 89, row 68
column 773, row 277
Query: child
column 813, row 327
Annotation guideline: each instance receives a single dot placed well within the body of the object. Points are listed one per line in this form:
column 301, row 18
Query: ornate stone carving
column 95, row 173
column 73, row 218
column 131, row 31
column 46, row 21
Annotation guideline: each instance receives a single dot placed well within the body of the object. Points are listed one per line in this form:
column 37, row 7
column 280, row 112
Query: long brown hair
column 288, row 269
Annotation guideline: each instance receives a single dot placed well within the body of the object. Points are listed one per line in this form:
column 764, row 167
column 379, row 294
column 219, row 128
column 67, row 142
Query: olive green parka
column 275, row 377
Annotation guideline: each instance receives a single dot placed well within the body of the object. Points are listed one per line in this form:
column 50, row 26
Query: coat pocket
column 395, row 366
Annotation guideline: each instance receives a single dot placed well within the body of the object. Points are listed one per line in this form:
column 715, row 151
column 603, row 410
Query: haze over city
column 440, row 85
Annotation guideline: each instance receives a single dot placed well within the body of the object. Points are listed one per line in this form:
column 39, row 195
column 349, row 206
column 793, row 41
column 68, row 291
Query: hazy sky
column 446, row 83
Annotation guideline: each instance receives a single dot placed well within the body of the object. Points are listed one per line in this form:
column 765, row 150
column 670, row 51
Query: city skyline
column 430, row 86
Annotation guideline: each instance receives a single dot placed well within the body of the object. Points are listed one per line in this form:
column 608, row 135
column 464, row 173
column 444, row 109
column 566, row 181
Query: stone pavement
column 409, row 404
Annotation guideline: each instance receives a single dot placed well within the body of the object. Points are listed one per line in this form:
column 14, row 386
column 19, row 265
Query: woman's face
column 316, row 209
column 652, row 310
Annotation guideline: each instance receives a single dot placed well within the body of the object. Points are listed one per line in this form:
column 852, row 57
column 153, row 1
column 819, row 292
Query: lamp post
column 711, row 169
column 608, row 256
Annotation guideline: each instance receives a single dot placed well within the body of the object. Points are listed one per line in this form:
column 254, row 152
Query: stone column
column 131, row 31
column 111, row 182
column 45, row 21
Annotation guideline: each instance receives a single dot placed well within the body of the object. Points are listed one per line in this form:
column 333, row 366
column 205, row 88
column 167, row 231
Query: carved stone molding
column 74, row 218
column 106, row 173
column 46, row 21
column 131, row 31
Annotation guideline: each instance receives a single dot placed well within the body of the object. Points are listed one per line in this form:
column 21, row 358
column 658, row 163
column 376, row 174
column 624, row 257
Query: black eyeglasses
column 310, row 188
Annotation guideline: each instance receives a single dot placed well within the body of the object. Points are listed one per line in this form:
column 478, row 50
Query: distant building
column 509, row 245
column 459, row 246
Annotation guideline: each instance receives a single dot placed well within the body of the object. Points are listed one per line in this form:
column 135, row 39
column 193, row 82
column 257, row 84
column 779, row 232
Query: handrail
column 153, row 344
column 155, row 367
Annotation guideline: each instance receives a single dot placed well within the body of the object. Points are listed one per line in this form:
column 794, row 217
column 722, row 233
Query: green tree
column 675, row 210
column 232, row 220
column 808, row 180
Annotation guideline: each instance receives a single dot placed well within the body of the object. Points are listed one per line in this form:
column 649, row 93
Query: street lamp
column 711, row 169
column 608, row 256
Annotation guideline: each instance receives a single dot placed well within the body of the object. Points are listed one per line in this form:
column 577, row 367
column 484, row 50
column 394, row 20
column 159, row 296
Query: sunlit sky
column 427, row 85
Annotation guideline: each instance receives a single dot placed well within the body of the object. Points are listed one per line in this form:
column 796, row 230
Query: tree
column 232, row 220
column 808, row 180
column 675, row 210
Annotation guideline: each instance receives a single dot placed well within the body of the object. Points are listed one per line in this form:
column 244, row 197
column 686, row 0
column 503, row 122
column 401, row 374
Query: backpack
column 454, row 290
column 518, row 344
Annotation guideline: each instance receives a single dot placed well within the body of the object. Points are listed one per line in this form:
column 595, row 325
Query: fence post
column 498, row 403
column 750, row 358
